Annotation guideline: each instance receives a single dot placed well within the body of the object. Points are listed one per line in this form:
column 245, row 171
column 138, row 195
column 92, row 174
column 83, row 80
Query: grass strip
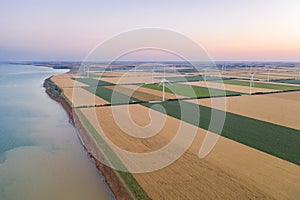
column 130, row 181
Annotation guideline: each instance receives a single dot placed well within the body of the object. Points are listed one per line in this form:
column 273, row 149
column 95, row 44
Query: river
column 41, row 157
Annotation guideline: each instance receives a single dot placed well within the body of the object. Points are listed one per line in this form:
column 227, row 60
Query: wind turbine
column 173, row 68
column 223, row 68
column 251, row 82
column 163, row 81
column 88, row 72
column 250, row 69
column 153, row 74
column 85, row 69
column 269, row 69
column 205, row 70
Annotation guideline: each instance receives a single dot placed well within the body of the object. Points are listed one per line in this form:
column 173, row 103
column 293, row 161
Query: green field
column 191, row 78
column 261, row 85
column 291, row 81
column 190, row 91
column 276, row 140
column 93, row 82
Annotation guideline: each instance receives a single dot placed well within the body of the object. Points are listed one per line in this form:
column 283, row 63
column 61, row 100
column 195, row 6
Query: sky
column 227, row 29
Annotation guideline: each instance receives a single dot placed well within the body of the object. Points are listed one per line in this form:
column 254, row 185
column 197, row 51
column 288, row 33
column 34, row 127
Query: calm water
column 41, row 157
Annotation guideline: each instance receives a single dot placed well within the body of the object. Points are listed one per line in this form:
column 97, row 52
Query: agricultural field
column 228, row 87
column 81, row 97
column 189, row 173
column 261, row 85
column 192, row 78
column 256, row 156
column 290, row 81
column 92, row 82
column 67, row 81
column 263, row 107
column 190, row 90
column 141, row 93
column 245, row 130
column 114, row 97
column 259, row 76
column 173, row 90
column 129, row 80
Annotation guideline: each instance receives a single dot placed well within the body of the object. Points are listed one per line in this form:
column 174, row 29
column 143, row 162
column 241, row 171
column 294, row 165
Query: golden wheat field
column 231, row 170
column 245, row 173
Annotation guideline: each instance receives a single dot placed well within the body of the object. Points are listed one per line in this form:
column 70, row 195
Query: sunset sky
column 228, row 29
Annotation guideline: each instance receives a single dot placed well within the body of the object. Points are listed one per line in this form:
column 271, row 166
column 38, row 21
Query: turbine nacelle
column 162, row 83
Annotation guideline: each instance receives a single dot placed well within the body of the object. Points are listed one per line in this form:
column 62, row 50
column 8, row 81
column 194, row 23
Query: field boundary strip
column 111, row 157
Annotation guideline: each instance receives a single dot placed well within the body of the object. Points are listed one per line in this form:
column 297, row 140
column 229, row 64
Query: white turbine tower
column 85, row 73
column 205, row 71
column 83, row 70
column 163, row 81
column 88, row 71
column 173, row 68
column 222, row 69
column 251, row 82
column 269, row 70
column 153, row 71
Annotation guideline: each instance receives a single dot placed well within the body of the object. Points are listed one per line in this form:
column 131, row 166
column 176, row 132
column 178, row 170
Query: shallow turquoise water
column 40, row 154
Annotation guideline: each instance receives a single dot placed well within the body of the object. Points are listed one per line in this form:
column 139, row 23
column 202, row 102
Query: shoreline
column 111, row 178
